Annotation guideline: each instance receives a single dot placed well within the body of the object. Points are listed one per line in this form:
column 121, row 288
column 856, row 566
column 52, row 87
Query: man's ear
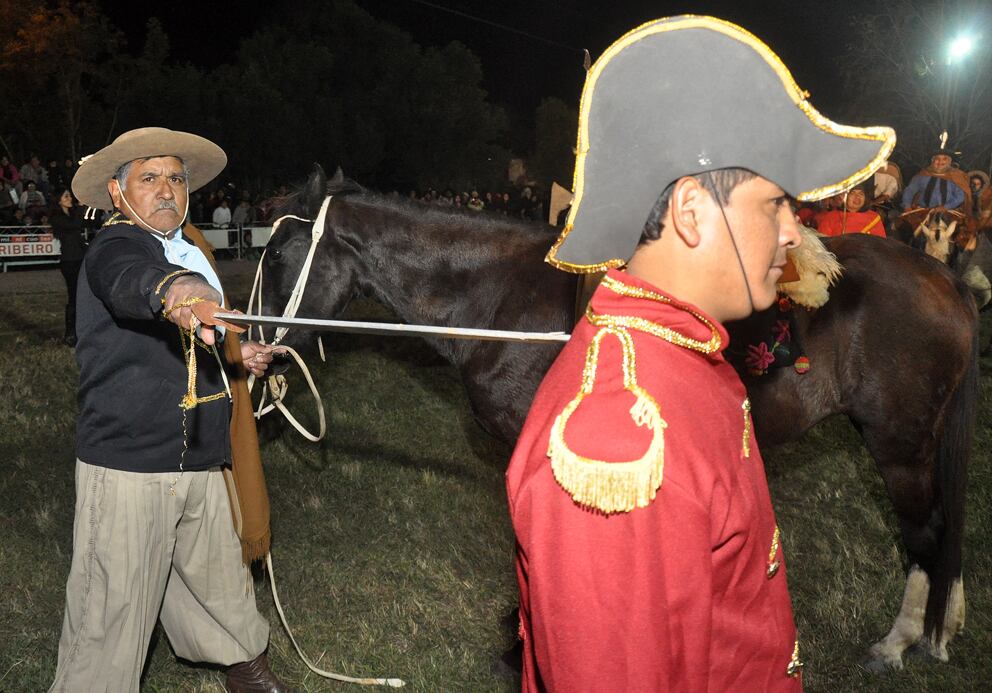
column 114, row 188
column 685, row 208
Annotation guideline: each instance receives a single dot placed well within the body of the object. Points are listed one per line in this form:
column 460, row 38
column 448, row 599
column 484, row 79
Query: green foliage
column 322, row 82
column 556, row 128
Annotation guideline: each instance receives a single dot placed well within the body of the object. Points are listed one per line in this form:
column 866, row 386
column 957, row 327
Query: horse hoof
column 879, row 662
column 938, row 652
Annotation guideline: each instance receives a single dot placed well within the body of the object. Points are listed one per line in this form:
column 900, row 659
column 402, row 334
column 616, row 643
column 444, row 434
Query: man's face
column 976, row 183
column 764, row 226
column 156, row 191
column 940, row 163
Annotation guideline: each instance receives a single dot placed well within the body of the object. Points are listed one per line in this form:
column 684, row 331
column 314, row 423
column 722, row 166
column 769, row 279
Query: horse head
column 325, row 257
column 937, row 231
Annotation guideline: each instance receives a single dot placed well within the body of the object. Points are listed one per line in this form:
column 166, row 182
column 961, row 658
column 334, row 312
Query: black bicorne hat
column 684, row 95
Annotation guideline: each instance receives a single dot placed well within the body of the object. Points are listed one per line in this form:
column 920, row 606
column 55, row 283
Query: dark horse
column 894, row 349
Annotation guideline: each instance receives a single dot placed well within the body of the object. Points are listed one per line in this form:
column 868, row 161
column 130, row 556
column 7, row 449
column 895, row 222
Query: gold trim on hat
column 883, row 134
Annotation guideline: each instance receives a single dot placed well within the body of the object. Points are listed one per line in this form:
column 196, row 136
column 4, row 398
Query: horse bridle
column 277, row 385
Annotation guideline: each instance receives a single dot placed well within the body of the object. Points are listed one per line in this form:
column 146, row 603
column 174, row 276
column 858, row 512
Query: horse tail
column 951, row 478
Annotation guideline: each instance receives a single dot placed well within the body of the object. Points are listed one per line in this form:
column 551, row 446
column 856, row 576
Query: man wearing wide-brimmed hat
column 648, row 555
column 941, row 184
column 153, row 536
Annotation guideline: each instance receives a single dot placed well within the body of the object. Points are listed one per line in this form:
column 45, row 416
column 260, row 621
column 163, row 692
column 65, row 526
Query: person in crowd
column 154, row 537
column 886, row 186
column 981, row 195
column 855, row 217
column 33, row 171
column 941, row 184
column 56, row 176
column 67, row 227
column 222, row 215
column 244, row 214
column 9, row 201
column 475, row 203
column 9, row 173
column 506, row 206
column 32, row 199
column 648, row 555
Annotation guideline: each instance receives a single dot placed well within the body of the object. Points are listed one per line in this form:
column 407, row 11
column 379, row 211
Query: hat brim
column 686, row 95
column 204, row 160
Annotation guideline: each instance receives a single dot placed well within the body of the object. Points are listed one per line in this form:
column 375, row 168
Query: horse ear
column 315, row 190
column 338, row 177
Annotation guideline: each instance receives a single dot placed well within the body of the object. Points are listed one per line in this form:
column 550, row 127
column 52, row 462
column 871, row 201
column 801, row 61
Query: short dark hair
column 719, row 183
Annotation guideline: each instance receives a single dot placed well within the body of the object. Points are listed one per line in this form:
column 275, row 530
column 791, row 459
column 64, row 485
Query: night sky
column 545, row 59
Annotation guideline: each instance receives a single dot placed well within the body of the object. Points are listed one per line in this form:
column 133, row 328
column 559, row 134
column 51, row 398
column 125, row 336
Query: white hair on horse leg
column 953, row 622
column 908, row 626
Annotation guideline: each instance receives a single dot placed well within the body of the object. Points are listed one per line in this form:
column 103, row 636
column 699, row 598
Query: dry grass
column 392, row 546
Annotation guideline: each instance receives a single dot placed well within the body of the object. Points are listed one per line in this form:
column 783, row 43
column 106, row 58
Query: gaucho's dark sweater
column 132, row 372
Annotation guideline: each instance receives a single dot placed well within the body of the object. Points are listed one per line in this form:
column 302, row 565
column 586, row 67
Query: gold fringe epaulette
column 611, row 487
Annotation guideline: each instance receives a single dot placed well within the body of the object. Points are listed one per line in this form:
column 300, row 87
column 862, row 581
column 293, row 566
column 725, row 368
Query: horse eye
column 275, row 253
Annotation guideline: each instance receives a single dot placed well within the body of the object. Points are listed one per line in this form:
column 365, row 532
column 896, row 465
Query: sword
column 392, row 329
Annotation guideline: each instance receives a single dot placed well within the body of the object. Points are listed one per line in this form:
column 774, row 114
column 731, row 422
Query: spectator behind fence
column 33, row 171
column 9, row 173
column 244, row 214
column 9, row 200
column 67, row 227
column 32, row 200
column 222, row 215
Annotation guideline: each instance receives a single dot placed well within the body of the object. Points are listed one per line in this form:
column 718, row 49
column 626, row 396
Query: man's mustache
column 168, row 204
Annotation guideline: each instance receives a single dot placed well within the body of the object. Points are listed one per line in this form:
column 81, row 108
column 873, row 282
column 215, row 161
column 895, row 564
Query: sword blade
column 395, row 329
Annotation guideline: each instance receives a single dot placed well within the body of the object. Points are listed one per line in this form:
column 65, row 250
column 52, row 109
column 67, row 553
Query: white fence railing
column 35, row 245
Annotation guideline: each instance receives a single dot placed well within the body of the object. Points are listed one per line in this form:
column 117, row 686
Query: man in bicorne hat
column 153, row 536
column 648, row 555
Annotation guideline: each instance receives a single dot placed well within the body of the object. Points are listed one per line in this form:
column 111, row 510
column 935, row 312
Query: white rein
column 277, row 385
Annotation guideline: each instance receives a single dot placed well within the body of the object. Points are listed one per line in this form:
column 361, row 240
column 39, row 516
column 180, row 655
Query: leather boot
column 254, row 677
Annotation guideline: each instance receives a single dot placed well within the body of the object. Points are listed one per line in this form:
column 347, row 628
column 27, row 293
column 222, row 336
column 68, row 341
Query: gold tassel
column 611, row 487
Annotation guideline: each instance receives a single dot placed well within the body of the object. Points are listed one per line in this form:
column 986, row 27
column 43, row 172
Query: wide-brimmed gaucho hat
column 683, row 95
column 204, row 159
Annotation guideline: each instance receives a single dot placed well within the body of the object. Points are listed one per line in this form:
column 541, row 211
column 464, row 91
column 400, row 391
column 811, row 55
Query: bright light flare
column 960, row 48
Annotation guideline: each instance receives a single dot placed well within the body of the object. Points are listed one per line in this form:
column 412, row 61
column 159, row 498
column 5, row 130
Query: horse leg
column 908, row 627
column 926, row 480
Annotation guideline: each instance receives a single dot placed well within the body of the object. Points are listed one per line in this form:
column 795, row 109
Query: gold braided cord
column 747, row 427
column 795, row 664
column 117, row 218
column 774, row 565
column 170, row 275
column 611, row 487
column 188, row 342
column 642, row 325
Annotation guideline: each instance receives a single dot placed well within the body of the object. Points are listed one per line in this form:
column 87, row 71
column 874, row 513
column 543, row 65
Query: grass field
column 393, row 550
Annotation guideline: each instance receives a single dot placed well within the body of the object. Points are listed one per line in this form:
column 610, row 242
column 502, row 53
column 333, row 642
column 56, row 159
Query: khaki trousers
column 141, row 554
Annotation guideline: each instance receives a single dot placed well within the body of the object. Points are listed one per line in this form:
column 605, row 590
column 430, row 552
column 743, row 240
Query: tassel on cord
column 392, row 683
column 611, row 487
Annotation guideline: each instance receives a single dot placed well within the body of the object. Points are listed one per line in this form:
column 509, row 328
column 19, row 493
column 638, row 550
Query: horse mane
column 484, row 222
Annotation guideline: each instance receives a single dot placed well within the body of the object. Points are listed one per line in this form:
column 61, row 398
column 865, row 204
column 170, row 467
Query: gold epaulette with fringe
column 619, row 487
column 611, row 487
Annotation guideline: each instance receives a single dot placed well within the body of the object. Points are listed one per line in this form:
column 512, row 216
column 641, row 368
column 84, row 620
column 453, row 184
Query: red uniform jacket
column 685, row 594
column 836, row 223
